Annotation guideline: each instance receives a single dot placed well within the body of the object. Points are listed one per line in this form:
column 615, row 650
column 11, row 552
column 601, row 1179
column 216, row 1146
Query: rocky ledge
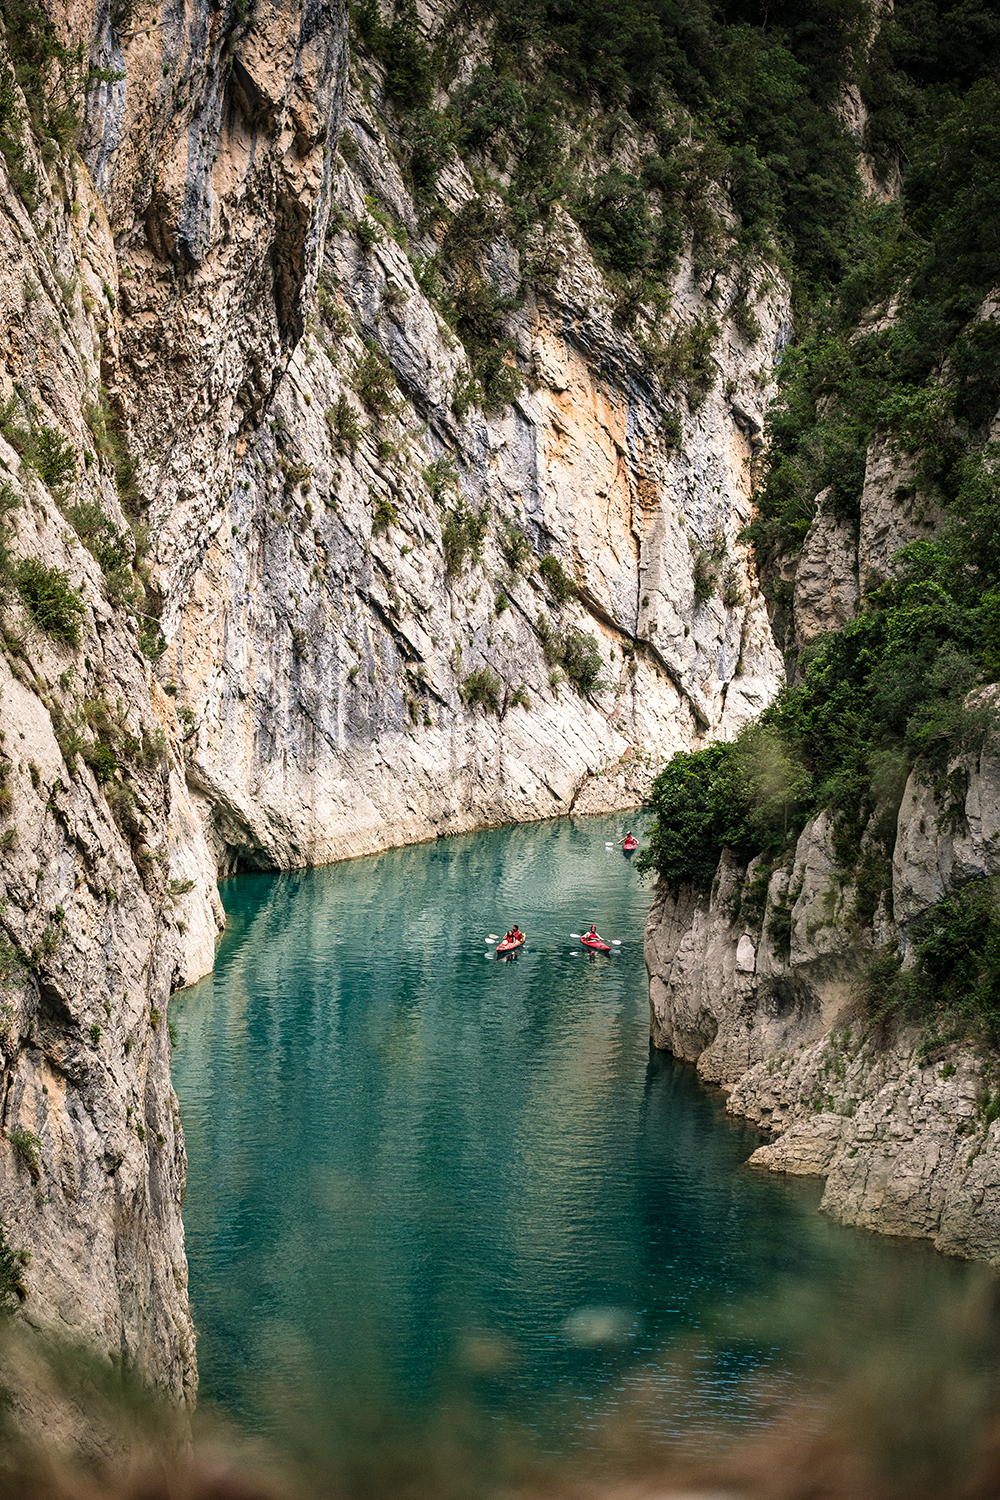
column 758, row 985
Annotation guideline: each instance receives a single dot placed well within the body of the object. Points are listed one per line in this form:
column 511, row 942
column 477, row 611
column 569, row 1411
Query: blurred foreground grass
column 904, row 1404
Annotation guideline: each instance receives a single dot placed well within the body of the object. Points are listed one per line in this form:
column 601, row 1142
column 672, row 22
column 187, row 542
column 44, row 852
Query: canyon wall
column 325, row 618
column 349, row 501
column 154, row 288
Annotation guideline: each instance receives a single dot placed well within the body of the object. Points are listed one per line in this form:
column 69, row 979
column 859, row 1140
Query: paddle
column 615, row 942
column 492, row 938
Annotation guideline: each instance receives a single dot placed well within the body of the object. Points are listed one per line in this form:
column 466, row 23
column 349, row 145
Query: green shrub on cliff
column 482, row 687
column 580, row 657
column 41, row 447
column 375, row 382
column 559, row 581
column 26, row 1148
column 462, row 535
column 576, row 652
column 11, row 1266
column 53, row 604
column 952, row 989
column 894, row 690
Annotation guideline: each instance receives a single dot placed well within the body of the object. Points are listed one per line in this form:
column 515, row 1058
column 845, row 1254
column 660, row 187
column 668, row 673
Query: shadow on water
column 448, row 1217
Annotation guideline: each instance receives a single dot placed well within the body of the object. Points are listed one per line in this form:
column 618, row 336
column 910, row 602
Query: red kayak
column 630, row 846
column 595, row 942
column 506, row 947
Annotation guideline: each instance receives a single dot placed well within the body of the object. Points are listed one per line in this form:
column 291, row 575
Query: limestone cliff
column 325, row 617
column 760, row 983
column 767, row 1008
column 173, row 256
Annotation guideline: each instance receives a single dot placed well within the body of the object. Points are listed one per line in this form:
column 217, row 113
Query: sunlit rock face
column 151, row 299
column 323, row 636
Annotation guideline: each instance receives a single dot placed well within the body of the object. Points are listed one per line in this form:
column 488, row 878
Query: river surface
column 421, row 1177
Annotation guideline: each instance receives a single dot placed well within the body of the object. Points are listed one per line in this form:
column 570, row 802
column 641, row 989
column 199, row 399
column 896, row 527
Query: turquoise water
column 419, row 1175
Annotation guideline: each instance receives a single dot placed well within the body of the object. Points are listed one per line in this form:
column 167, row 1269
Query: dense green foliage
column 892, row 349
column 926, row 380
column 410, row 71
column 888, row 692
column 698, row 818
column 11, row 1285
column 725, row 110
column 953, row 988
column 733, row 94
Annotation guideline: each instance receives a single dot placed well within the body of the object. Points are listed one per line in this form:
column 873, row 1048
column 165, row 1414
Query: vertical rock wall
column 757, row 985
column 322, row 643
column 151, row 298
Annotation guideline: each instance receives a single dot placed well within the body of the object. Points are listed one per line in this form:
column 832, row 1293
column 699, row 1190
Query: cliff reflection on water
column 430, row 1192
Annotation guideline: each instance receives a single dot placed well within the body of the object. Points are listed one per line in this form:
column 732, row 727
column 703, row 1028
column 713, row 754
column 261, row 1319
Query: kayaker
column 593, row 933
column 628, row 835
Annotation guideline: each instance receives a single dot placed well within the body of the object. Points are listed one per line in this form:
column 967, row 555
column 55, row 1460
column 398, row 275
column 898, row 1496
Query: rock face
column 893, row 513
column 904, row 1143
column 324, row 629
column 757, row 985
column 841, row 559
column 826, row 575
column 92, row 1160
column 152, row 293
